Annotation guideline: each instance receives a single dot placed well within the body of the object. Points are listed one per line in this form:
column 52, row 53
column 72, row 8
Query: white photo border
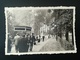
column 51, row 52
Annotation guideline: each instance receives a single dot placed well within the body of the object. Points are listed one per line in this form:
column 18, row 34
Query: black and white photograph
column 40, row 30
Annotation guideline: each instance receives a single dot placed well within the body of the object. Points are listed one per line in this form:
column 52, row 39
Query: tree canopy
column 63, row 19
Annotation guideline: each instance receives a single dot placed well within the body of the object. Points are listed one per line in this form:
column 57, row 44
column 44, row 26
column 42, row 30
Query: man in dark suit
column 32, row 40
column 22, row 44
column 28, row 41
column 43, row 37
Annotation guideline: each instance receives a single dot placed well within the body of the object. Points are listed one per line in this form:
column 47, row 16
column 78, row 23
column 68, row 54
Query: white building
column 44, row 30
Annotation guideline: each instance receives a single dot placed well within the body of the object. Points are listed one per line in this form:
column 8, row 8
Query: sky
column 24, row 16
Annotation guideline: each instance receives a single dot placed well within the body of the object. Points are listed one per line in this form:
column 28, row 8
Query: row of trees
column 64, row 22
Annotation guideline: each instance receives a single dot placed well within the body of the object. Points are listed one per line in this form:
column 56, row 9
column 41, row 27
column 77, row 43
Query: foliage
column 42, row 17
column 63, row 19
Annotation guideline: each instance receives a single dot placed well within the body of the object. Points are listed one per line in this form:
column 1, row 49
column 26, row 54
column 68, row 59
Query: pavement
column 52, row 45
column 38, row 46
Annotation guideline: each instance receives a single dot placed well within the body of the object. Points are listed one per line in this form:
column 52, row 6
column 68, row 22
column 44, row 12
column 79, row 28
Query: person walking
column 28, row 41
column 22, row 44
column 17, row 38
column 32, row 40
column 39, row 37
column 43, row 38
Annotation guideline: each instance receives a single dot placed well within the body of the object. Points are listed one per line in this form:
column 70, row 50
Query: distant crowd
column 23, row 43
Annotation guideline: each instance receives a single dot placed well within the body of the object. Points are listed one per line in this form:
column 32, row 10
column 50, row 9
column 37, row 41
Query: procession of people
column 23, row 43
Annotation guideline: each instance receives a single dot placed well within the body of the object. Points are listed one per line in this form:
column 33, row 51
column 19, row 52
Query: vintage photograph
column 40, row 30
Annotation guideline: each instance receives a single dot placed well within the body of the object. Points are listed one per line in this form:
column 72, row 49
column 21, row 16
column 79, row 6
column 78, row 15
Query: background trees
column 10, row 22
column 64, row 22
column 42, row 17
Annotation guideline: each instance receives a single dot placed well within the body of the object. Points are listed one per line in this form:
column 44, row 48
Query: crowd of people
column 23, row 43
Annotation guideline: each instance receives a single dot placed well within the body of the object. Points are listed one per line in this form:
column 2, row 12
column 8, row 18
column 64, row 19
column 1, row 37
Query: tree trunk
column 56, row 37
column 67, row 36
column 72, row 38
column 60, row 34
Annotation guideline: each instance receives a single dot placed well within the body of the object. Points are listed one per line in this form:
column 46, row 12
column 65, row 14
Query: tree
column 42, row 17
column 64, row 21
column 10, row 20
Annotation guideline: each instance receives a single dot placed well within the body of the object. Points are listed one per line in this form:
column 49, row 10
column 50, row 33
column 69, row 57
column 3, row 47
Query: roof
column 23, row 26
